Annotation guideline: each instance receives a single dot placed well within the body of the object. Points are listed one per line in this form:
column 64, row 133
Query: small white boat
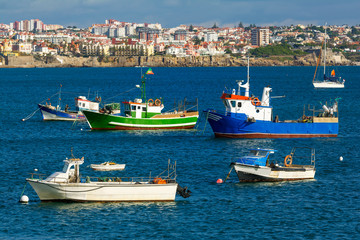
column 257, row 167
column 68, row 185
column 108, row 166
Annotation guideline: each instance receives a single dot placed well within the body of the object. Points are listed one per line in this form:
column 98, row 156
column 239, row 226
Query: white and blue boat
column 49, row 112
column 248, row 117
column 257, row 166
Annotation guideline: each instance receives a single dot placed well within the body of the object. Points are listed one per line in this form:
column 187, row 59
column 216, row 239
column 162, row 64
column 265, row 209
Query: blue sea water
column 326, row 208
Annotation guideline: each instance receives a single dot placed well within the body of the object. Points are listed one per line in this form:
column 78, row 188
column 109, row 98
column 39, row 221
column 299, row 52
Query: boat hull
column 248, row 173
column 101, row 167
column 328, row 84
column 101, row 121
column 49, row 114
column 230, row 127
column 103, row 191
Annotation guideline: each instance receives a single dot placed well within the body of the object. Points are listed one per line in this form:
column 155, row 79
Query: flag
column 149, row 72
column 333, row 73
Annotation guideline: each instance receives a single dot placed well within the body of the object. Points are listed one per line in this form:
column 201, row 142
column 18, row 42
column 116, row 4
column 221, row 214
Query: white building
column 211, row 37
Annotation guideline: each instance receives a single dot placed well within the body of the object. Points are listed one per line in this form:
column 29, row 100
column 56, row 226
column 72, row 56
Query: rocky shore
column 168, row 61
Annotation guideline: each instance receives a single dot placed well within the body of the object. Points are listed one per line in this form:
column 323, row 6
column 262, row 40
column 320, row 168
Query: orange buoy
column 219, row 180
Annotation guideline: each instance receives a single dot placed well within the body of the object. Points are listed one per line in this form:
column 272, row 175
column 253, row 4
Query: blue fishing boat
column 246, row 116
column 50, row 112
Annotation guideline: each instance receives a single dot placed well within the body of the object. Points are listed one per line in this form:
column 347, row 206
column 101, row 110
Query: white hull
column 109, row 167
column 328, row 85
column 248, row 173
column 103, row 191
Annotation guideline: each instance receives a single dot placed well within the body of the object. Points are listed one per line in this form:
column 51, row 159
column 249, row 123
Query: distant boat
column 258, row 167
column 247, row 116
column 108, row 166
column 331, row 81
column 68, row 185
column 144, row 114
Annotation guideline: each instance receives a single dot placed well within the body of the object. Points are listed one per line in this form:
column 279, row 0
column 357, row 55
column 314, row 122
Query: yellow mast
column 318, row 61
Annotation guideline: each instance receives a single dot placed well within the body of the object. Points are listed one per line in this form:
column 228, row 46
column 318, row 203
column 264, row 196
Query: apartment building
column 260, row 37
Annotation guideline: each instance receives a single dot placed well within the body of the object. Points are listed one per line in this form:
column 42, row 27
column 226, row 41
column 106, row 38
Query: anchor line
column 32, row 114
column 206, row 120
column 23, row 189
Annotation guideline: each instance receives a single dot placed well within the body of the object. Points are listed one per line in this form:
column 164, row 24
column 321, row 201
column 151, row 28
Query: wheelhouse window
column 239, row 104
column 258, row 153
column 144, row 109
column 133, row 107
column 138, row 107
column 233, row 103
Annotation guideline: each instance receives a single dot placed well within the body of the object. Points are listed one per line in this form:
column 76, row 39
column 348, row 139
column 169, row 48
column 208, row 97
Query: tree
column 191, row 28
column 241, row 25
column 214, row 26
column 196, row 40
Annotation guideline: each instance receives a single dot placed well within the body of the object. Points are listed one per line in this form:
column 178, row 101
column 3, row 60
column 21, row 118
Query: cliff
column 167, row 61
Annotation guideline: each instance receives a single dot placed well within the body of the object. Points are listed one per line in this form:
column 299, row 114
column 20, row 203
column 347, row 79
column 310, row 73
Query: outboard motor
column 184, row 192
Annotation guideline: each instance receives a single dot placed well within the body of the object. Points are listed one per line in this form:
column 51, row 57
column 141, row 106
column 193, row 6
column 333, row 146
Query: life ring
column 255, row 101
column 151, row 102
column 157, row 102
column 288, row 161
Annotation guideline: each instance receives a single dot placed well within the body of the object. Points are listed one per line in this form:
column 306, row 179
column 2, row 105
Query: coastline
column 168, row 61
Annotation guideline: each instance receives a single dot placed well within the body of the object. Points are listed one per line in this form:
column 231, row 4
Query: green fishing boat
column 145, row 114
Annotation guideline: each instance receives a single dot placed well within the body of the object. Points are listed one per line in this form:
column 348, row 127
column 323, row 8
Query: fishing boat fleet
column 245, row 116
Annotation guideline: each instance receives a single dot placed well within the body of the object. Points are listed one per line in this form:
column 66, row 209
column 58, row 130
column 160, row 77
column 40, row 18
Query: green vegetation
column 271, row 50
column 355, row 57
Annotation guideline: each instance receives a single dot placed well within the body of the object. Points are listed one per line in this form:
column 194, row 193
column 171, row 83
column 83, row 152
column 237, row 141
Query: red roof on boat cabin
column 233, row 96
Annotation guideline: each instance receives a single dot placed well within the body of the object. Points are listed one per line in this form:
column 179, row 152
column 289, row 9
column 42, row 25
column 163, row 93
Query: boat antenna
column 248, row 69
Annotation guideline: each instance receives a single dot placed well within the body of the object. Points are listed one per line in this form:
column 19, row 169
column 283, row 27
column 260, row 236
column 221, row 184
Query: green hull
column 101, row 121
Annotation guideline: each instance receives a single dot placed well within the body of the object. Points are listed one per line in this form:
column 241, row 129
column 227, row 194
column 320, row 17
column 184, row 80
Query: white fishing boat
column 257, row 167
column 69, row 185
column 331, row 81
column 108, row 166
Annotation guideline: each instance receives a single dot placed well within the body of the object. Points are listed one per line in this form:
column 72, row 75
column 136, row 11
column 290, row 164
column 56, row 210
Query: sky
column 172, row 13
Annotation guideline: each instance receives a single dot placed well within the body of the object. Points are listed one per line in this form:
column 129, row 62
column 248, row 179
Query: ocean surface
column 326, row 208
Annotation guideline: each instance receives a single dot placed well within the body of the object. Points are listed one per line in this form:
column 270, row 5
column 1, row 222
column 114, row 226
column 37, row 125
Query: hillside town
column 114, row 39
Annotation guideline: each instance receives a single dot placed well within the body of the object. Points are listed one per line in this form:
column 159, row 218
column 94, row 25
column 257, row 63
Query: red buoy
column 219, row 180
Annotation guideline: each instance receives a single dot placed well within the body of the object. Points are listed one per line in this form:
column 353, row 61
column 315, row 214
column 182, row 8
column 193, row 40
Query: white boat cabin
column 138, row 109
column 70, row 172
column 82, row 103
column 255, row 109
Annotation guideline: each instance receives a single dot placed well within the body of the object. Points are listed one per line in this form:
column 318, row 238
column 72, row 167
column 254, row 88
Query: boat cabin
column 82, row 103
column 70, row 172
column 238, row 105
column 138, row 109
column 257, row 157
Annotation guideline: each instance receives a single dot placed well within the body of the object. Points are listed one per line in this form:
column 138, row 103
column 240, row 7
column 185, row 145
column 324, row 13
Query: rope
column 120, row 94
column 206, row 120
column 23, row 190
column 30, row 115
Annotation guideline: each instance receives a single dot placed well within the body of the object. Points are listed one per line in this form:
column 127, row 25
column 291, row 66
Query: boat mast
column 325, row 51
column 59, row 100
column 143, row 91
column 318, row 62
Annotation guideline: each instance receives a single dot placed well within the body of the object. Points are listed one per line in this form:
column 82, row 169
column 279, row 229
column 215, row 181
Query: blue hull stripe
column 224, row 126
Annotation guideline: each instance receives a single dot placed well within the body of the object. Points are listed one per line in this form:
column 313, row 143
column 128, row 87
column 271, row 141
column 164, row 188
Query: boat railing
column 39, row 176
column 147, row 180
